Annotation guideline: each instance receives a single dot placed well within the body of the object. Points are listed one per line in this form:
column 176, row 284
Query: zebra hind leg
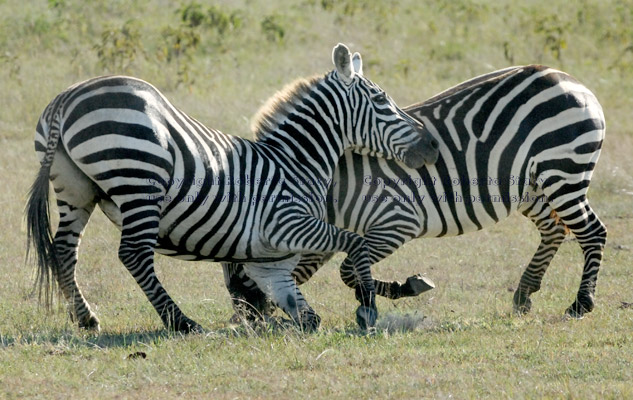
column 553, row 233
column 591, row 234
column 276, row 282
column 249, row 302
column 136, row 251
column 72, row 222
column 578, row 216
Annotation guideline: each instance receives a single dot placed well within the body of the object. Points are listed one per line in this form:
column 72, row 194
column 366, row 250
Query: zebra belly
column 435, row 203
column 221, row 254
column 481, row 199
column 458, row 213
column 222, row 234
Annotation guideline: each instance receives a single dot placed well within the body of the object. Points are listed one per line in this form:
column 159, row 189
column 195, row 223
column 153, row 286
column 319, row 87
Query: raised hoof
column 416, row 285
column 366, row 317
column 91, row 323
column 522, row 303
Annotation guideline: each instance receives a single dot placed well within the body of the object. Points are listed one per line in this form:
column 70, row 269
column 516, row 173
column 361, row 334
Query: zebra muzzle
column 424, row 151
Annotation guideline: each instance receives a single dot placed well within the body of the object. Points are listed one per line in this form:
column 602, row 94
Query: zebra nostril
column 434, row 143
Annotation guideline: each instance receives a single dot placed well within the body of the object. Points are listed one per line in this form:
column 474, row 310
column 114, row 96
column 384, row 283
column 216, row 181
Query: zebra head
column 378, row 126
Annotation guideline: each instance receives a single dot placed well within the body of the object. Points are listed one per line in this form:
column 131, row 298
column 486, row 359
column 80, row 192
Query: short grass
column 462, row 340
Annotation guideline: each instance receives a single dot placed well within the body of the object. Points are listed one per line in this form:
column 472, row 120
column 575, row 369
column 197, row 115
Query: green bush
column 119, row 47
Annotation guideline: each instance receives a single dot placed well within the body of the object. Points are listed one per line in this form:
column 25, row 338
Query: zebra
column 524, row 138
column 178, row 188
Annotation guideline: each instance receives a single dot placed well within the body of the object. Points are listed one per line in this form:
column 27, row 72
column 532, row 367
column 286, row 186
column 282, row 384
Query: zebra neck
column 307, row 139
column 307, row 158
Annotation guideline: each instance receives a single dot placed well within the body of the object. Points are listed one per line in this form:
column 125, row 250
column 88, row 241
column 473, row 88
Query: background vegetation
column 219, row 61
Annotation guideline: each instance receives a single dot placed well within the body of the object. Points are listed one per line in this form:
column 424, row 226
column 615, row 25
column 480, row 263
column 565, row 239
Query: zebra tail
column 38, row 226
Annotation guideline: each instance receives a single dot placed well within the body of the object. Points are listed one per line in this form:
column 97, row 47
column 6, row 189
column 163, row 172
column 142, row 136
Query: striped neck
column 302, row 121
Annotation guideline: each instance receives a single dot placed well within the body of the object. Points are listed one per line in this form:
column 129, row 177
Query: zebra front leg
column 72, row 222
column 379, row 248
column 553, row 233
column 136, row 252
column 414, row 285
column 358, row 253
column 275, row 281
column 317, row 236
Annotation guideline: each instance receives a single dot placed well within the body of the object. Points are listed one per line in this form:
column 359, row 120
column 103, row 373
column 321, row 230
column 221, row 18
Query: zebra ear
column 342, row 59
column 357, row 62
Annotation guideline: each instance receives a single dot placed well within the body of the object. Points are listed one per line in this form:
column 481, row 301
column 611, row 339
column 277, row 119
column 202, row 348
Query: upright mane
column 279, row 105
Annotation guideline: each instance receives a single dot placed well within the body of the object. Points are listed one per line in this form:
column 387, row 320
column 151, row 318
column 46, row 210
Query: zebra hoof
column 582, row 305
column 366, row 317
column 248, row 313
column 91, row 323
column 243, row 318
column 186, row 326
column 416, row 285
column 522, row 303
column 309, row 321
column 573, row 313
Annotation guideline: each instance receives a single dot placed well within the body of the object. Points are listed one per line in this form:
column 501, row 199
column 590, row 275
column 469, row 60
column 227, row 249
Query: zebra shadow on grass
column 390, row 323
column 72, row 338
column 61, row 339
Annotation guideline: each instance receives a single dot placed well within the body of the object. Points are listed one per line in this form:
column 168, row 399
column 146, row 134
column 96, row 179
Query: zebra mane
column 277, row 107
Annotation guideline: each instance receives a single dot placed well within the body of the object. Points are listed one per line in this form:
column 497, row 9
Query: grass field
column 219, row 63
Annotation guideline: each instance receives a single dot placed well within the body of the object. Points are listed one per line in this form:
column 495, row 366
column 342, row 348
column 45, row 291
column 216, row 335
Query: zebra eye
column 380, row 99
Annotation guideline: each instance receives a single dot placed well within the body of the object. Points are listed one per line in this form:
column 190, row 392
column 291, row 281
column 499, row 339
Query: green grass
column 468, row 345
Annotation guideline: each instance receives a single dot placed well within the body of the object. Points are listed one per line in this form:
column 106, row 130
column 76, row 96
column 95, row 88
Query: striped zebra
column 175, row 187
column 519, row 139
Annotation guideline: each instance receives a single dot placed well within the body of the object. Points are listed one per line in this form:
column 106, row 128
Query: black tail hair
column 40, row 236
